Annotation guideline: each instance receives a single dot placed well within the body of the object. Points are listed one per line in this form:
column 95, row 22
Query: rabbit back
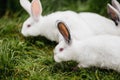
column 101, row 51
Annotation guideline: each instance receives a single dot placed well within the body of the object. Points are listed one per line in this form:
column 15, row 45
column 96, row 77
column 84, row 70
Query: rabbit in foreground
column 37, row 24
column 82, row 26
column 101, row 51
column 114, row 12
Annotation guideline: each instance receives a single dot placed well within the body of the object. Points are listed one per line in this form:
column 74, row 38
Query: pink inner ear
column 36, row 8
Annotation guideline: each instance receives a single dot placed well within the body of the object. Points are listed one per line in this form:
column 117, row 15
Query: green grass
column 32, row 58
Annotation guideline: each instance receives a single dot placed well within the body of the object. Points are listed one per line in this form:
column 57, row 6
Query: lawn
column 31, row 58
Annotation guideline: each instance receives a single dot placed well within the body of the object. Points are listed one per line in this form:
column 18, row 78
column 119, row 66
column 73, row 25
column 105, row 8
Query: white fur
column 101, row 51
column 116, row 4
column 82, row 26
column 26, row 5
column 99, row 24
column 46, row 25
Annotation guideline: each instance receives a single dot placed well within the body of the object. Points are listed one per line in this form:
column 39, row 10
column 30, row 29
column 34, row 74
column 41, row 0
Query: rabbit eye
column 28, row 25
column 61, row 49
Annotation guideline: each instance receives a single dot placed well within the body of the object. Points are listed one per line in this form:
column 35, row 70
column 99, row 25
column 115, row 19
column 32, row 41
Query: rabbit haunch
column 101, row 51
column 99, row 24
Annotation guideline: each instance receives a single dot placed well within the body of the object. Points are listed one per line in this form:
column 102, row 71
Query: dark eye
column 61, row 49
column 28, row 25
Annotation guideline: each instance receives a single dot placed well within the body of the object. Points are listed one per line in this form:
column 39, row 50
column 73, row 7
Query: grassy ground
column 32, row 58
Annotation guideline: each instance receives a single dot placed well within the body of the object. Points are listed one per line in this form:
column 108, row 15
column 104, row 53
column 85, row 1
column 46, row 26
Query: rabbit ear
column 26, row 5
column 64, row 31
column 114, row 14
column 116, row 4
column 36, row 9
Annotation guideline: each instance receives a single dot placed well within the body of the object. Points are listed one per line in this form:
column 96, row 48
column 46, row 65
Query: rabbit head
column 63, row 51
column 31, row 25
column 114, row 11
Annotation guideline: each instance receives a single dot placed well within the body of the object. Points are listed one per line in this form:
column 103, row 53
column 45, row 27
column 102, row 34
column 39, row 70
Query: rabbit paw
column 82, row 66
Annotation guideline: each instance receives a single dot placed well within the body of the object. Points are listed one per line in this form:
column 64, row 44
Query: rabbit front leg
column 79, row 66
column 82, row 65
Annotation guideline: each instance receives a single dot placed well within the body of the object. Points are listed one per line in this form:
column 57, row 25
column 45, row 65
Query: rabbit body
column 100, row 51
column 46, row 25
column 99, row 24
column 79, row 31
column 82, row 26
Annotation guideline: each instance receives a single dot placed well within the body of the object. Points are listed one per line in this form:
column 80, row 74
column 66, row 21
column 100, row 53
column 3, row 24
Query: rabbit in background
column 82, row 26
column 100, row 51
column 45, row 26
column 114, row 11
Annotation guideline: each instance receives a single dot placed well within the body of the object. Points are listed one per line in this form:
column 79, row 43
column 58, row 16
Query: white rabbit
column 100, row 51
column 37, row 24
column 80, row 27
column 114, row 12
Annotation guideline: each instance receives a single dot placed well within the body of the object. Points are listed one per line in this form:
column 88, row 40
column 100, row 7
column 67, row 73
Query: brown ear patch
column 64, row 31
